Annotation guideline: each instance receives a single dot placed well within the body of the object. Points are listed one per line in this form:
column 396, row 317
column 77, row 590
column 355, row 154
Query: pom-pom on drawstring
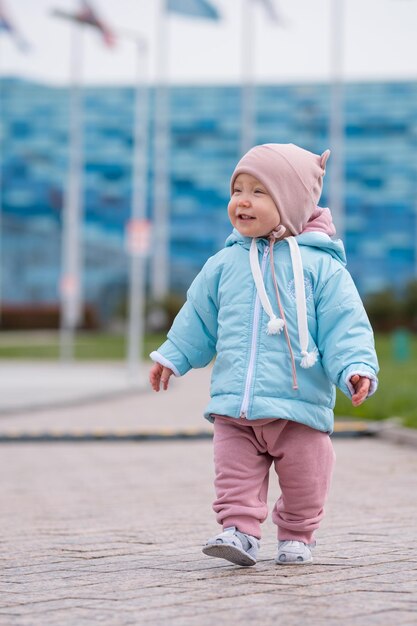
column 309, row 358
column 275, row 326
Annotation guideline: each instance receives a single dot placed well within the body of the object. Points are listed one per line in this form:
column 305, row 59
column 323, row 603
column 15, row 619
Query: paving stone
column 112, row 534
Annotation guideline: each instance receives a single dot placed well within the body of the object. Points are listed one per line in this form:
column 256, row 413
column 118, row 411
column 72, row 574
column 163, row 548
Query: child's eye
column 236, row 190
column 259, row 191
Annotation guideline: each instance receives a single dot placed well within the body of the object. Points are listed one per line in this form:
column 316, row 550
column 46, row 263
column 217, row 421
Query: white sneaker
column 294, row 553
column 233, row 546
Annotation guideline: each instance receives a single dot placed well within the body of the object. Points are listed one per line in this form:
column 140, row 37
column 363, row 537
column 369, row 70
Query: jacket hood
column 319, row 240
column 334, row 247
column 321, row 220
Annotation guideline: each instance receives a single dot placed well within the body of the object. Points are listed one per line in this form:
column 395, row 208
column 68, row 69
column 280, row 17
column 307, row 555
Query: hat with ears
column 292, row 176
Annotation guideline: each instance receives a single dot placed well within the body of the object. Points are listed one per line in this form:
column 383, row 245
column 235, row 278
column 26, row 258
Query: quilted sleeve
column 345, row 337
column 191, row 341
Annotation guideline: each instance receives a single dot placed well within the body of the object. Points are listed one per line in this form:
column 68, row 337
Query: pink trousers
column 243, row 454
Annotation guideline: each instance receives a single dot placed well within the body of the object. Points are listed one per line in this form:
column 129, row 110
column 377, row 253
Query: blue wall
column 381, row 171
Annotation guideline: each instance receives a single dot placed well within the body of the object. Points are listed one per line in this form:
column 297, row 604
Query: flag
column 87, row 15
column 7, row 26
column 271, row 8
column 193, row 8
column 5, row 23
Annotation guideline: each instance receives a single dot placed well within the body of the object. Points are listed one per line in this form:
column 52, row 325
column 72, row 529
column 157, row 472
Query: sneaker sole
column 229, row 553
column 293, row 562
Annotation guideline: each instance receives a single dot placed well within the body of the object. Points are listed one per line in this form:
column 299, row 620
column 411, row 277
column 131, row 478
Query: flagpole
column 22, row 44
column 71, row 287
column 138, row 249
column 337, row 122
column 71, row 279
column 160, row 257
column 1, row 183
column 160, row 282
column 247, row 91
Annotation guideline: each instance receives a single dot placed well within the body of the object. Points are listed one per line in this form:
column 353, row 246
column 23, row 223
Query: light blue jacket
column 252, row 374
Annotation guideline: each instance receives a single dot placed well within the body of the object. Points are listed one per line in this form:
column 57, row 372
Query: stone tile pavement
column 111, row 533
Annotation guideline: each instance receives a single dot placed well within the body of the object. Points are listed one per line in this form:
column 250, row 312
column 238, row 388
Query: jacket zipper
column 256, row 316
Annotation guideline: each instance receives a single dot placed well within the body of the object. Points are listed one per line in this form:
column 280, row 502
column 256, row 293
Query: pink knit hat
column 293, row 177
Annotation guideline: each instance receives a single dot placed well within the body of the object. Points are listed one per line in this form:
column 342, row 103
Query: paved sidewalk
column 111, row 533
column 181, row 406
column 29, row 385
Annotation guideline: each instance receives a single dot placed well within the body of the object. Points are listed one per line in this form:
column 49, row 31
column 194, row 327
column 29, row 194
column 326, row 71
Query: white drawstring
column 309, row 358
column 275, row 324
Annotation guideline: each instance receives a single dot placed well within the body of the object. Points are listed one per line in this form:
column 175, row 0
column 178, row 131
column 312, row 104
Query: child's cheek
column 231, row 209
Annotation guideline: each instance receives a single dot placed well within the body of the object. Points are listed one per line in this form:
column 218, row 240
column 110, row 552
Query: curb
column 354, row 428
column 343, row 429
column 392, row 431
column 97, row 435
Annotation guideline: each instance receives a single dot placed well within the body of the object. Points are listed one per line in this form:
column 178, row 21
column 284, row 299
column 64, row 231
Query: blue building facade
column 380, row 190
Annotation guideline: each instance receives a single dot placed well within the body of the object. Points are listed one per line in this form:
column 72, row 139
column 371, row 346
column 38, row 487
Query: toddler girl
column 280, row 312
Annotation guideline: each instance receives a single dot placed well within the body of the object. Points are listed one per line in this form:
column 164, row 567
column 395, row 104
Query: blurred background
column 121, row 123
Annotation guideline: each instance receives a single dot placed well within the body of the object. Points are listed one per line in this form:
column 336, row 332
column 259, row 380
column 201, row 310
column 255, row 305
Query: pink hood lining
column 320, row 221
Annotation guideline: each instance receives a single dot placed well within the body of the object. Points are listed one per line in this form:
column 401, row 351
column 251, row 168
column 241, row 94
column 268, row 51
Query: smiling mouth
column 245, row 217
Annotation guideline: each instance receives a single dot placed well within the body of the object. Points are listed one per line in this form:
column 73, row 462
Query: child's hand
column 159, row 374
column 361, row 385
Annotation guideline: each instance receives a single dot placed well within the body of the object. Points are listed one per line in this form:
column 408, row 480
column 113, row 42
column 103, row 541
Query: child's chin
column 249, row 232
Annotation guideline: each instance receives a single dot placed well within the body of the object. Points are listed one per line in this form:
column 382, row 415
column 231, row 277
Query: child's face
column 251, row 209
